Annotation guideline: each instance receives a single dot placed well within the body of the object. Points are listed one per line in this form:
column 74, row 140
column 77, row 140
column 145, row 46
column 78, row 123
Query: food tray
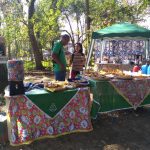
column 55, row 89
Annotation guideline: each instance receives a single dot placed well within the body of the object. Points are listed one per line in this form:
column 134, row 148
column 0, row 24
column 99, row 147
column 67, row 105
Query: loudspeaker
column 16, row 88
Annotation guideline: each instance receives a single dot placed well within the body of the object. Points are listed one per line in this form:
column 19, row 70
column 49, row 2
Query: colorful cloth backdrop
column 124, row 49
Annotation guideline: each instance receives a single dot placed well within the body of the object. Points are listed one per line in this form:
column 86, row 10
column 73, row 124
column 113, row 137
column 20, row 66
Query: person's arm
column 71, row 59
column 56, row 59
column 55, row 55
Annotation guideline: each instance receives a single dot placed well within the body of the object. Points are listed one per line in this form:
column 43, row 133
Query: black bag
column 16, row 88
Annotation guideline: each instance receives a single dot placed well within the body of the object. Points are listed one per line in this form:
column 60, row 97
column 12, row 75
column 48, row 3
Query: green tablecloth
column 106, row 98
column 50, row 102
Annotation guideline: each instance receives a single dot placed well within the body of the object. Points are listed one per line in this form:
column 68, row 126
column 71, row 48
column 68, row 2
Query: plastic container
column 148, row 70
column 136, row 68
column 144, row 69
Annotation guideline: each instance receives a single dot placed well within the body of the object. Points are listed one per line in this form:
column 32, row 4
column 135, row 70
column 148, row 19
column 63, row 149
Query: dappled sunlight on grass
column 114, row 147
column 30, row 65
column 38, row 78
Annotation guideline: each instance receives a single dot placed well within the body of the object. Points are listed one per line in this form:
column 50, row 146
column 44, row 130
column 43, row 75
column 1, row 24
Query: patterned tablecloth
column 133, row 91
column 119, row 94
column 27, row 122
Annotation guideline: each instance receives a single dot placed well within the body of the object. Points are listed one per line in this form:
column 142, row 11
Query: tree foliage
column 20, row 27
column 46, row 22
column 49, row 17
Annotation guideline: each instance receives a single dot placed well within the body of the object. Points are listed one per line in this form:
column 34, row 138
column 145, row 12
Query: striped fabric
column 78, row 62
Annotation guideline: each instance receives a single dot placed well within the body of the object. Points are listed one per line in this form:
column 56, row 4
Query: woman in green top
column 59, row 58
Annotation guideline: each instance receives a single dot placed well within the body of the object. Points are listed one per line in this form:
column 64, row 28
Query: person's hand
column 62, row 66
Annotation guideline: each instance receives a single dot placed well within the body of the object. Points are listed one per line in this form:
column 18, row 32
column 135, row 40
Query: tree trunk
column 39, row 44
column 87, row 15
column 88, row 20
column 72, row 33
column 78, row 30
column 16, row 49
column 9, row 51
column 34, row 43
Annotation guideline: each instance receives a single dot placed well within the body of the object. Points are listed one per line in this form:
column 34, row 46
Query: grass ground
column 123, row 130
column 30, row 65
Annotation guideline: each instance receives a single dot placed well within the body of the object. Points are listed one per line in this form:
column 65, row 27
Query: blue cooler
column 148, row 70
column 144, row 69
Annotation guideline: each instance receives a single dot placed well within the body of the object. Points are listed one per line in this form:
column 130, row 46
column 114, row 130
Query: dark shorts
column 60, row 75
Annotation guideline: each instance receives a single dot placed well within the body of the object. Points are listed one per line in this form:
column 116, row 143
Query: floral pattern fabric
column 28, row 122
column 15, row 70
column 134, row 91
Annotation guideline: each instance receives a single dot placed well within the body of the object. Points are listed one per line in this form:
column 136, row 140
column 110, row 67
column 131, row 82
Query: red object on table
column 136, row 68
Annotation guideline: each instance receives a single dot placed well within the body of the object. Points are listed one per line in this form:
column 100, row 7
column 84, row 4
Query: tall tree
column 88, row 19
column 32, row 37
column 73, row 12
column 38, row 25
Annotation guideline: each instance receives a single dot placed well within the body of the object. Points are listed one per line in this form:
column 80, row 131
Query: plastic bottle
column 144, row 69
column 148, row 70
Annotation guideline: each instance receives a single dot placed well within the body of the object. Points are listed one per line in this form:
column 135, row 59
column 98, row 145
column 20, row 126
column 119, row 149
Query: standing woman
column 77, row 60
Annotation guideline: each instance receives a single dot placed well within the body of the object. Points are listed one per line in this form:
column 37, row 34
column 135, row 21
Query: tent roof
column 121, row 30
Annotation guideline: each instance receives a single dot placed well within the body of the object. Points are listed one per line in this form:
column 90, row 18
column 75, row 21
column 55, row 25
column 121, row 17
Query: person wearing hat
column 59, row 59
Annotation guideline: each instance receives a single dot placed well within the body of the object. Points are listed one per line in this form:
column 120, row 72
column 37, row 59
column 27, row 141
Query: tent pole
column 102, row 49
column 89, row 53
column 148, row 47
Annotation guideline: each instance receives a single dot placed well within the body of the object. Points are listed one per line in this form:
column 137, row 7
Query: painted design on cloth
column 15, row 70
column 133, row 91
column 29, row 124
column 52, row 107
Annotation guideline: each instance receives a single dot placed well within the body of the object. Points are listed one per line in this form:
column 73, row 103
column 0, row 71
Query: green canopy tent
column 119, row 31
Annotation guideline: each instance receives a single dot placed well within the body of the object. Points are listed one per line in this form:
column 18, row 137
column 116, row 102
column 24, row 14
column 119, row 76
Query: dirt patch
column 123, row 130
